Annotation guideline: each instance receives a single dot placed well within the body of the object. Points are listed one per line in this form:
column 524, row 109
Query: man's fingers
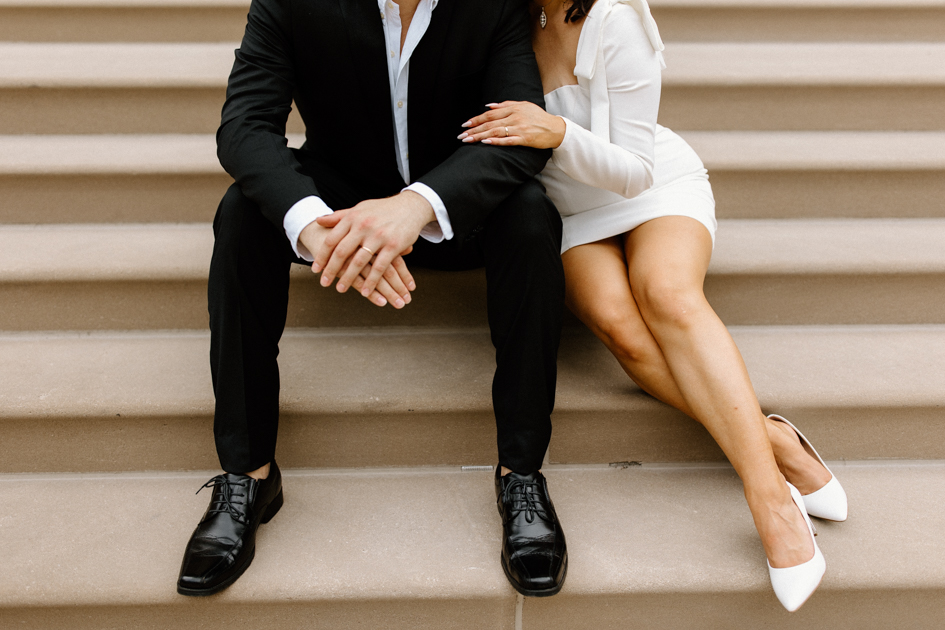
column 378, row 267
column 400, row 266
column 330, row 220
column 327, row 249
column 340, row 256
column 358, row 265
column 375, row 297
column 384, row 288
column 396, row 283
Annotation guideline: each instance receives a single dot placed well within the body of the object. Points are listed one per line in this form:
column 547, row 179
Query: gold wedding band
column 506, row 132
column 367, row 250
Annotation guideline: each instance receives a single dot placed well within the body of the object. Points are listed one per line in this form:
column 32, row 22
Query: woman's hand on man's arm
column 515, row 123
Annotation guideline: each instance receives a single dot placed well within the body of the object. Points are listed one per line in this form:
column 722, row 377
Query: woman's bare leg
column 698, row 352
column 608, row 308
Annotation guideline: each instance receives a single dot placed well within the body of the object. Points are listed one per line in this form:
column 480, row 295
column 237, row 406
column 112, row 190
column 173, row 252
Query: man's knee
column 231, row 211
column 529, row 218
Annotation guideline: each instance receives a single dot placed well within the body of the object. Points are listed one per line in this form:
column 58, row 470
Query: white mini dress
column 616, row 168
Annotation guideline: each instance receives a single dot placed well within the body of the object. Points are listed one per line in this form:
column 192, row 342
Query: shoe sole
column 527, row 592
column 271, row 510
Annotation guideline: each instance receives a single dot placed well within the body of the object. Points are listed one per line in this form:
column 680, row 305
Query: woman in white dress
column 639, row 228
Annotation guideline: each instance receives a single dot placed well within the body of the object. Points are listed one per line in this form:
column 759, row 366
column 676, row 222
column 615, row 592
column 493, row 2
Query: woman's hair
column 578, row 10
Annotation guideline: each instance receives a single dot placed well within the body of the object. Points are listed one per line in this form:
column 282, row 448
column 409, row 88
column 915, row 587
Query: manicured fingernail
column 492, row 104
column 316, row 268
column 468, row 123
column 341, row 288
column 462, row 135
column 469, row 139
column 487, row 141
column 365, row 292
column 380, row 301
column 398, row 303
column 326, row 281
column 412, row 286
column 407, row 298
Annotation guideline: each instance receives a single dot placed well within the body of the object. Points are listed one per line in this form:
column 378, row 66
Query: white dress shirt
column 306, row 210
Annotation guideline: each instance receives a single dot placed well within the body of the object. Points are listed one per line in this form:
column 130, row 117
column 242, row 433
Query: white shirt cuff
column 441, row 229
column 304, row 212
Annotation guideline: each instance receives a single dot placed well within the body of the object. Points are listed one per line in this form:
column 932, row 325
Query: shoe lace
column 524, row 496
column 223, row 502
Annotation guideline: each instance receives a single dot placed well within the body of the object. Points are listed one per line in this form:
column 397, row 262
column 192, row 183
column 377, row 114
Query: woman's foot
column 794, row 584
column 822, row 499
column 800, row 467
column 783, row 530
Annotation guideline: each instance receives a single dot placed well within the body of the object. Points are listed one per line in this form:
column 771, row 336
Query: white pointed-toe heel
column 830, row 501
column 793, row 585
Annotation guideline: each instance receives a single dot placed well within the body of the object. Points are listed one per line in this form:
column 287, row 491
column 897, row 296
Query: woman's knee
column 666, row 301
column 624, row 332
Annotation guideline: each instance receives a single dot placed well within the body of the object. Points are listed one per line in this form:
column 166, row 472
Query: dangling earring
column 543, row 19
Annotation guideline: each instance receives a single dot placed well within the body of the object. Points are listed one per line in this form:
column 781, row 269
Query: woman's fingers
column 499, row 129
column 504, row 142
column 489, row 116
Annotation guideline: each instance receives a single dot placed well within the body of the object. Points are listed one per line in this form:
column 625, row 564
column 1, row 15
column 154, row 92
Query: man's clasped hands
column 363, row 247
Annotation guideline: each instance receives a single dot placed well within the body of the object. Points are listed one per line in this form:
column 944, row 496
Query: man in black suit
column 383, row 87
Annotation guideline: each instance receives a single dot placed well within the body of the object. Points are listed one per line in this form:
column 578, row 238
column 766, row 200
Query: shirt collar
column 381, row 4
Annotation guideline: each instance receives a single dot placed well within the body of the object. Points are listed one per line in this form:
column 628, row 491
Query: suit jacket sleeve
column 251, row 143
column 476, row 177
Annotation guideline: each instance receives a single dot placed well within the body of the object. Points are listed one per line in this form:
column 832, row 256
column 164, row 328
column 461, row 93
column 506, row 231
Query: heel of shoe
column 273, row 508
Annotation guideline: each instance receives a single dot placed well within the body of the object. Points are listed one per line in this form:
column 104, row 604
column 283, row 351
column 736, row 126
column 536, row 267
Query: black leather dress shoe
column 224, row 543
column 534, row 553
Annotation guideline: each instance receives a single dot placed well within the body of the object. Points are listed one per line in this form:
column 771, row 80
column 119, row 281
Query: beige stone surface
column 800, row 107
column 86, row 252
column 151, row 276
column 118, row 401
column 652, row 533
column 819, row 150
column 208, row 64
column 798, row 21
column 823, row 63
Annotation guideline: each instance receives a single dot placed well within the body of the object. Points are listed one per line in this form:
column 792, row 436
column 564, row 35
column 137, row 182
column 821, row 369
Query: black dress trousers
column 519, row 245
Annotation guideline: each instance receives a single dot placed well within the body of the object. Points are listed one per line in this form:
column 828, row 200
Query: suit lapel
column 369, row 63
column 426, row 63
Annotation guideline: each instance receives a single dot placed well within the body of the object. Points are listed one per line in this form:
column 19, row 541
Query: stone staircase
column 823, row 128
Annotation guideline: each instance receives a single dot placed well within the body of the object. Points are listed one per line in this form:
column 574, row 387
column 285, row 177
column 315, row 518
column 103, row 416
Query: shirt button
column 390, row 6
column 400, row 103
column 382, row 15
column 392, row 54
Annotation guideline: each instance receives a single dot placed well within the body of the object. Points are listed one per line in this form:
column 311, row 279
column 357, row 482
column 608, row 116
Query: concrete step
column 108, row 277
column 179, row 88
column 649, row 547
column 679, row 20
column 112, row 401
column 122, row 20
column 176, row 178
column 800, row 20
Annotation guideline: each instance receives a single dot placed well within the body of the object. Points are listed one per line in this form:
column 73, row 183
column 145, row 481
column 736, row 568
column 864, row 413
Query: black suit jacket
column 330, row 57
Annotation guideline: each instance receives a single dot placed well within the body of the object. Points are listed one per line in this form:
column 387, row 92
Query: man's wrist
column 419, row 207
